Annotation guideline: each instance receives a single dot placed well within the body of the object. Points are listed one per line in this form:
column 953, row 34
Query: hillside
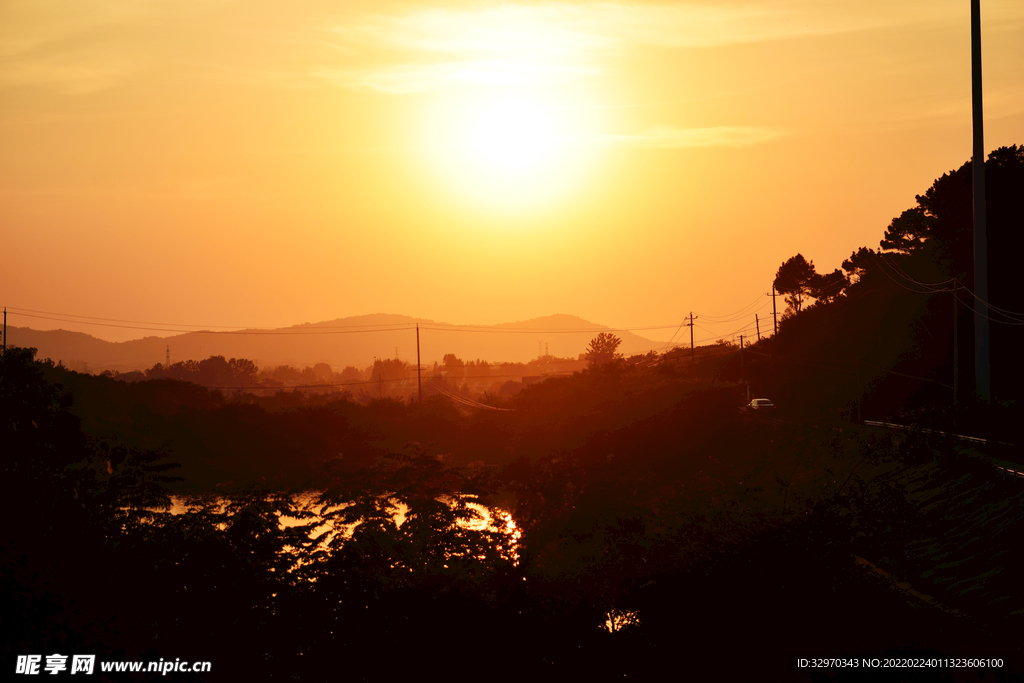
column 355, row 340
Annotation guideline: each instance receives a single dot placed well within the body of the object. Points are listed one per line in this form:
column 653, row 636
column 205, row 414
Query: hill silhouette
column 355, row 340
column 893, row 335
column 644, row 502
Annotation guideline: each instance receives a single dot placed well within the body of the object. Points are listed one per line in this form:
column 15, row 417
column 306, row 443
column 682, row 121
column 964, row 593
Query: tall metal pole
column 758, row 323
column 743, row 370
column 691, row 337
column 419, row 378
column 982, row 370
column 775, row 316
column 956, row 349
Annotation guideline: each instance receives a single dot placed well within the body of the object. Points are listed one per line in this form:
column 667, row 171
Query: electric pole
column 743, row 371
column 758, row 323
column 860, row 392
column 775, row 316
column 690, row 325
column 982, row 376
column 419, row 377
column 956, row 351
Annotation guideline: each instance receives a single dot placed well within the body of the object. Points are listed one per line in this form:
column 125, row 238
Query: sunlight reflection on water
column 617, row 619
column 488, row 519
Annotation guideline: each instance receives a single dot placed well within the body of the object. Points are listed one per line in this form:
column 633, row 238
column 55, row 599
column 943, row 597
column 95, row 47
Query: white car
column 761, row 404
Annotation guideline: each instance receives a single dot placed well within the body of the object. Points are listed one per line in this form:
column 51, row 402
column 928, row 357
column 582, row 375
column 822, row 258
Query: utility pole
column 743, row 371
column 860, row 392
column 168, row 356
column 758, row 323
column 775, row 316
column 419, row 377
column 956, row 351
column 982, row 370
column 690, row 325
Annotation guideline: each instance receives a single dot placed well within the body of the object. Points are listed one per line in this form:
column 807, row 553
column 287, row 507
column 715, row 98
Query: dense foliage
column 895, row 332
column 653, row 516
column 628, row 520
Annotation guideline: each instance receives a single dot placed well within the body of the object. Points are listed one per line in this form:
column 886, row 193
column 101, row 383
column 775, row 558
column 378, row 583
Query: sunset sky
column 213, row 162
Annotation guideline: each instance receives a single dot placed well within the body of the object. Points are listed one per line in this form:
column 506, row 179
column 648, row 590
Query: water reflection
column 325, row 526
column 617, row 619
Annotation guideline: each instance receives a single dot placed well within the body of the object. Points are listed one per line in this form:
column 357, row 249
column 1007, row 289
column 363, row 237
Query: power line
column 62, row 316
column 896, row 267
column 848, row 363
column 910, row 289
column 227, row 332
column 344, row 329
column 747, row 314
column 672, row 338
column 959, row 286
column 1001, row 322
column 1006, row 312
column 532, row 330
column 735, row 313
column 23, row 311
column 466, row 401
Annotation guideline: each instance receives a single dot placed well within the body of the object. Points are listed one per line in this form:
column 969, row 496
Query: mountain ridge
column 353, row 340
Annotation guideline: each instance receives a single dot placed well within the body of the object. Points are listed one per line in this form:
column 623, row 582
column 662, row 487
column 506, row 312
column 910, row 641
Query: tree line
column 891, row 332
column 649, row 514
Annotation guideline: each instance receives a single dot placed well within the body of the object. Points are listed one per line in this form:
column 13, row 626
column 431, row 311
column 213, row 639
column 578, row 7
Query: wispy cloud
column 499, row 42
column 512, row 43
column 67, row 46
column 67, row 75
column 672, row 137
column 410, row 78
column 569, row 30
column 83, row 46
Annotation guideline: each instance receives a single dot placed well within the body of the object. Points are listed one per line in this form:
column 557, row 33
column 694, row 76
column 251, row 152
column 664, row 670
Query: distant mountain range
column 346, row 341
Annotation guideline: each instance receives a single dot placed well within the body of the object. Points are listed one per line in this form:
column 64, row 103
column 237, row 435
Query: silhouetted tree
column 858, row 263
column 349, row 374
column 828, row 288
column 794, row 279
column 243, row 371
column 392, row 368
column 602, row 349
column 215, row 371
column 323, row 372
column 908, row 231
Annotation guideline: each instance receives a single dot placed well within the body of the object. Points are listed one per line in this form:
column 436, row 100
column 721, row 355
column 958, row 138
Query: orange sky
column 214, row 162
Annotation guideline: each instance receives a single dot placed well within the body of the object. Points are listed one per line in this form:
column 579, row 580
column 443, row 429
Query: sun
column 508, row 153
column 513, row 135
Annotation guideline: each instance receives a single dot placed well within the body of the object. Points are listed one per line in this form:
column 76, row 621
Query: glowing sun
column 513, row 135
column 508, row 153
